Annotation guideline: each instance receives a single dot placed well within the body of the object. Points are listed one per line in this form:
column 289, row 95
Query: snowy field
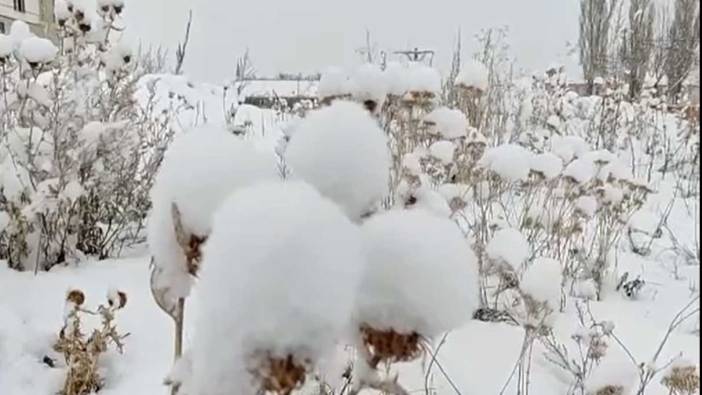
column 478, row 357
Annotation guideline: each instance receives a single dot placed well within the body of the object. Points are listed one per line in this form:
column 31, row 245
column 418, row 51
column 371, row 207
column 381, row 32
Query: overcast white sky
column 309, row 35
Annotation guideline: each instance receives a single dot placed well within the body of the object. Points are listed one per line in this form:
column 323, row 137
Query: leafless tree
column 683, row 40
column 596, row 21
column 637, row 44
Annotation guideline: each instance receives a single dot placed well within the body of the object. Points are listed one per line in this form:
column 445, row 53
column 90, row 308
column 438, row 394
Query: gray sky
column 309, row 35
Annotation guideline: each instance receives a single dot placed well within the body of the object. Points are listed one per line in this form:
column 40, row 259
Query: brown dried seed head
column 122, row 299
column 117, row 298
column 76, row 296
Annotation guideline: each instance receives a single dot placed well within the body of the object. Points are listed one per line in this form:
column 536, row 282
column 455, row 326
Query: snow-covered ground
column 478, row 358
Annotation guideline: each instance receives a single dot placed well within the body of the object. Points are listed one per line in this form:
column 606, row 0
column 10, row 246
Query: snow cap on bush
column 449, row 123
column 443, row 151
column 510, row 161
column 542, row 280
column 473, row 74
column 421, row 275
column 429, row 200
column 547, row 164
column 569, row 147
column 368, row 84
column 422, row 78
column 333, row 82
column 343, row 153
column 280, row 275
column 19, row 31
column 396, row 78
column 38, row 50
column 6, row 46
column 509, row 246
column 199, row 170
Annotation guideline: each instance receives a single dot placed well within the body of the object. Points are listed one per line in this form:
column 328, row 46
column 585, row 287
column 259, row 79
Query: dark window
column 2, row 27
column 19, row 6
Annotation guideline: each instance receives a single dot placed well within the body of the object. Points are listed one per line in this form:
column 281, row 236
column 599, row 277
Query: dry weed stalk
column 682, row 380
column 82, row 353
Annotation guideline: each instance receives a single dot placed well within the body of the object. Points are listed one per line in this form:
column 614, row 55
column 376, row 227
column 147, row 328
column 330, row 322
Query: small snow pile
column 396, row 78
column 342, row 152
column 580, row 170
column 429, row 200
column 508, row 245
column 61, row 11
column 448, row 123
column 542, row 280
column 554, row 121
column 6, row 46
column 368, row 84
column 549, row 165
column 586, row 205
column 443, row 151
column 614, row 372
column 119, row 56
column 473, row 75
column 411, row 162
column 279, row 279
column 423, row 79
column 333, row 83
column 19, row 31
column 509, row 161
column 37, row 50
column 569, row 147
column 199, row 170
column 421, row 274
column 611, row 194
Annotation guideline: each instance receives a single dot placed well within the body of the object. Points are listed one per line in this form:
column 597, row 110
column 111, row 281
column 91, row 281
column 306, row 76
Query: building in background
column 39, row 15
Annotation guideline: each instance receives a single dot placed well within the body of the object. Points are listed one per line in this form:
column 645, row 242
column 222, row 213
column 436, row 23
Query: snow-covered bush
column 342, row 152
column 421, row 275
column 77, row 155
column 420, row 280
column 199, row 170
column 277, row 288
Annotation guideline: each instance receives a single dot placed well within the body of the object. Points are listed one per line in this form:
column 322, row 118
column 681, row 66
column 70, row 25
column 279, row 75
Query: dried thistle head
column 276, row 375
column 682, row 380
column 75, row 296
column 389, row 346
column 598, row 348
column 116, row 299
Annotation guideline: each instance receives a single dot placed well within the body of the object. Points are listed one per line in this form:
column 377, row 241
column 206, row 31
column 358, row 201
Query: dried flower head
column 389, row 346
column 280, row 376
column 682, row 380
column 116, row 299
column 75, row 296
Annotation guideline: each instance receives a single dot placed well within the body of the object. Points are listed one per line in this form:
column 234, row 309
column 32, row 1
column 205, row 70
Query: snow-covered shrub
column 473, row 75
column 420, row 280
column 333, row 84
column 77, row 154
column 421, row 274
column 369, row 86
column 277, row 288
column 342, row 152
column 448, row 123
column 199, row 170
